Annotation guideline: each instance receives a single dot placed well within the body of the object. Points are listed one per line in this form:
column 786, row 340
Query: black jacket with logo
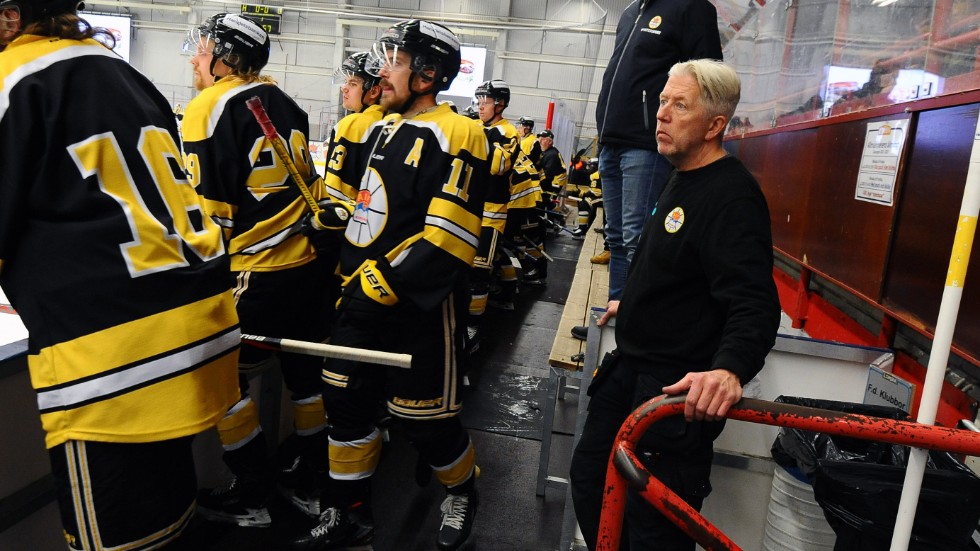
column 652, row 36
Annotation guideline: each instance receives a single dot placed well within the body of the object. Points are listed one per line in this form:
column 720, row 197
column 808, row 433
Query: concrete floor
column 502, row 412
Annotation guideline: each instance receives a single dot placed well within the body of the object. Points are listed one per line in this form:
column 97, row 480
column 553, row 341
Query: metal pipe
column 624, row 468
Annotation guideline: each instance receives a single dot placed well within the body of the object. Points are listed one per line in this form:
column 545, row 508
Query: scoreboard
column 267, row 17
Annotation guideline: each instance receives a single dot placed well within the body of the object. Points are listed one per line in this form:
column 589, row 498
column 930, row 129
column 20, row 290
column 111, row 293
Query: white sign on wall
column 885, row 389
column 883, row 146
column 471, row 71
column 119, row 26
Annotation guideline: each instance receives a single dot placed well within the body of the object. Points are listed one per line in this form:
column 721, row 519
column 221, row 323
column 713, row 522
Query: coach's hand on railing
column 709, row 394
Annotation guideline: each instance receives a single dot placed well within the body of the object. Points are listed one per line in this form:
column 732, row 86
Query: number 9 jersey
column 121, row 280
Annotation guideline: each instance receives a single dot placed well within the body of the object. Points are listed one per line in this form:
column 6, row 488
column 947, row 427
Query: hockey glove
column 334, row 216
column 367, row 299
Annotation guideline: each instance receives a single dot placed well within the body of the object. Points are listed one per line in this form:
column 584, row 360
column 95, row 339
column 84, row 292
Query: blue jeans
column 632, row 180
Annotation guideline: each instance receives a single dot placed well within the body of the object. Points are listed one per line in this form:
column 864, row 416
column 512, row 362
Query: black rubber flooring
column 502, row 413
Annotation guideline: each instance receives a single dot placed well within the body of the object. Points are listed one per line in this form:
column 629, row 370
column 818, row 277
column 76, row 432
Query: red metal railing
column 625, row 469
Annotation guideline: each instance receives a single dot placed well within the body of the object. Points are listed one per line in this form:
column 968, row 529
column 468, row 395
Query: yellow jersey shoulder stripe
column 40, row 57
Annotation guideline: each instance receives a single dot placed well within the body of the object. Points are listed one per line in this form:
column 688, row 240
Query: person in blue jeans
column 652, row 35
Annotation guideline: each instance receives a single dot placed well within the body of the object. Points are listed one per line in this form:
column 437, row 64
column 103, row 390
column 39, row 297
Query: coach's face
column 682, row 123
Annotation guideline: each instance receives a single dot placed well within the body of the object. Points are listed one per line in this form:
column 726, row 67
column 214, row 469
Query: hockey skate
column 338, row 529
column 234, row 504
column 458, row 512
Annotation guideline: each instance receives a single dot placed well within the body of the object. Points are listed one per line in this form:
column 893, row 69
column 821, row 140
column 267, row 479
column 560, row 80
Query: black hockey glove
column 367, row 299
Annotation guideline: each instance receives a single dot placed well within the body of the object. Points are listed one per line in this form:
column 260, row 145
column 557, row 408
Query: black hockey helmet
column 242, row 44
column 432, row 46
column 527, row 122
column 495, row 89
column 471, row 111
column 32, row 10
column 355, row 65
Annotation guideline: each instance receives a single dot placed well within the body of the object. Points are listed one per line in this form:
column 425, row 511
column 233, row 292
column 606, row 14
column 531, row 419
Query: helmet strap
column 214, row 61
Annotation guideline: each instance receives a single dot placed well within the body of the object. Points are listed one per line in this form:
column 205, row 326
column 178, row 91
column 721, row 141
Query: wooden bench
column 590, row 288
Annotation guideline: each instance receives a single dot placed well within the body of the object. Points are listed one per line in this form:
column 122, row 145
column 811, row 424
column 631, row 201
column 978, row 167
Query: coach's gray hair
column 719, row 84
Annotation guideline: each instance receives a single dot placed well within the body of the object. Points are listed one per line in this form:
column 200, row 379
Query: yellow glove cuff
column 376, row 286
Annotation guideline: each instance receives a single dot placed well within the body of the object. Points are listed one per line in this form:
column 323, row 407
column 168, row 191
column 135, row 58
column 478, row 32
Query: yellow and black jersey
column 419, row 204
column 525, row 189
column 351, row 129
column 552, row 168
column 504, row 149
column 122, row 282
column 246, row 187
column 531, row 148
column 595, row 184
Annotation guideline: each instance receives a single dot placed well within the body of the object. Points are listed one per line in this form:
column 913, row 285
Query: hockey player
column 529, row 142
column 492, row 98
column 280, row 290
column 122, row 284
column 408, row 246
column 590, row 200
column 361, row 95
column 360, row 92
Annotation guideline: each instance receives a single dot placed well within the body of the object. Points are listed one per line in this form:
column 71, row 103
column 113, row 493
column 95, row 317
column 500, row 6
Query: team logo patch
column 674, row 220
column 370, row 211
column 655, row 22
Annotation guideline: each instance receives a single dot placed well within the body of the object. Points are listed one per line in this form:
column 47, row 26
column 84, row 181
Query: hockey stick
column 330, row 351
column 254, row 105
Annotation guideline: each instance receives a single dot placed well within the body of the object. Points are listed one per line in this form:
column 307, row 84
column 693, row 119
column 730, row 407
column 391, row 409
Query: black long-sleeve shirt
column 700, row 293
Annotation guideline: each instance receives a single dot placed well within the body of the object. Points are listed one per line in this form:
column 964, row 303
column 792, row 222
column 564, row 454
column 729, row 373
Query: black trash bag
column 858, row 484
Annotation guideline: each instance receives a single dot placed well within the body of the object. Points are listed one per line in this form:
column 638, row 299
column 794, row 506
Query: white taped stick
column 331, row 351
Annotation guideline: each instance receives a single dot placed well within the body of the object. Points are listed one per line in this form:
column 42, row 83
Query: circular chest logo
column 655, row 22
column 370, row 212
column 674, row 220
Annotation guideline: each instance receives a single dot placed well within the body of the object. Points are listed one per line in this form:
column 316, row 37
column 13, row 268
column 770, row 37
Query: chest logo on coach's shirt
column 674, row 220
column 655, row 21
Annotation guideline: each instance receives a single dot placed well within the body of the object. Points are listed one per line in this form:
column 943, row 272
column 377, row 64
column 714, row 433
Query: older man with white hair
column 699, row 312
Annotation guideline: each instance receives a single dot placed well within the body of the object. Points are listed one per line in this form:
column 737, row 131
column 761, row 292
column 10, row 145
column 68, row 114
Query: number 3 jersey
column 420, row 185
column 104, row 251
column 246, row 187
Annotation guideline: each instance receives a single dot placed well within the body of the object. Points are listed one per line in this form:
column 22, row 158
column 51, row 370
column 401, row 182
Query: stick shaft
column 331, row 351
column 262, row 117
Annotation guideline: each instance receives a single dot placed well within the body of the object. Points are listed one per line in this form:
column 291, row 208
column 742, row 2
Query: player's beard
column 199, row 83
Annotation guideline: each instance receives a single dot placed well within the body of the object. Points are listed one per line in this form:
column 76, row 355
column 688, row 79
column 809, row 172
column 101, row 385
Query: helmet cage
column 355, row 66
column 432, row 47
column 497, row 90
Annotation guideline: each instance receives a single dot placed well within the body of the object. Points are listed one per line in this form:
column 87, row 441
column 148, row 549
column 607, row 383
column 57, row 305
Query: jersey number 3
column 154, row 247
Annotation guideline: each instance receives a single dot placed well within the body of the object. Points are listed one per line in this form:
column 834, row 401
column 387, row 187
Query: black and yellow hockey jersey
column 552, row 169
column 351, row 129
column 531, row 148
column 504, row 148
column 250, row 194
column 421, row 184
column 122, row 282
